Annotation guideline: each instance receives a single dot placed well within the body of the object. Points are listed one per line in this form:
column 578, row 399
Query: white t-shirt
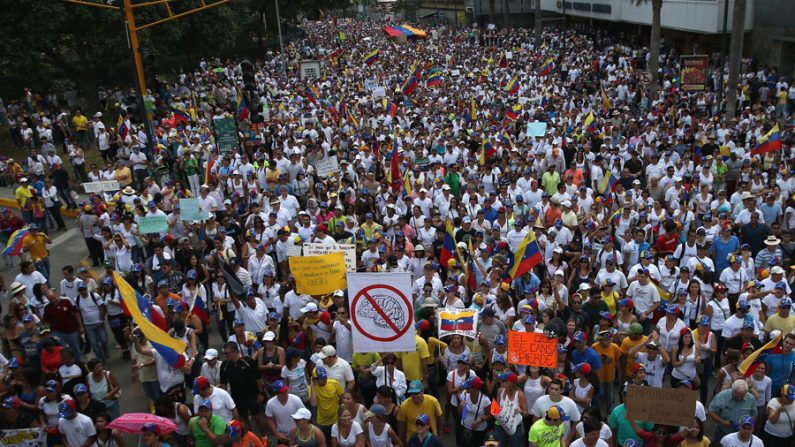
column 569, row 407
column 599, row 442
column 604, row 433
column 643, row 296
column 654, row 369
column 77, row 430
column 89, row 308
column 166, row 375
column 783, row 428
column 283, row 414
column 340, row 371
column 350, row 441
column 733, row 440
column 222, row 403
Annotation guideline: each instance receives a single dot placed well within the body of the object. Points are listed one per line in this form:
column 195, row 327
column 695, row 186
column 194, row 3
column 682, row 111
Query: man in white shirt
column 646, row 298
column 280, row 409
column 555, row 397
column 223, row 405
column 337, row 368
column 77, row 428
column 252, row 311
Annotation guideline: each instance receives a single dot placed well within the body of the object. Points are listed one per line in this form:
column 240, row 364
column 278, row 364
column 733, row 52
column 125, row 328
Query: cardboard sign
column 107, row 185
column 318, row 275
column 532, row 349
column 509, row 418
column 536, row 129
column 348, row 250
column 379, row 92
column 153, row 224
column 190, row 210
column 668, row 406
column 326, row 166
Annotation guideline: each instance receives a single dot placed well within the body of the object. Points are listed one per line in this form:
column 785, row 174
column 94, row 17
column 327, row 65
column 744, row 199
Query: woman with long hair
column 107, row 437
column 684, row 358
column 694, row 435
column 306, row 434
column 356, row 409
column 296, row 375
column 707, row 348
column 556, row 263
column 179, row 414
column 270, row 359
column 104, row 386
column 346, row 432
column 385, row 396
column 379, row 433
column 581, row 273
column 49, row 415
column 510, row 395
column 223, row 305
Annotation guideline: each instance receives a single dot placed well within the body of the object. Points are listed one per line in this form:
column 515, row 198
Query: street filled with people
column 535, row 181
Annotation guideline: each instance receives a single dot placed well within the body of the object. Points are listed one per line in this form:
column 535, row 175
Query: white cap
column 777, row 270
column 310, row 307
column 210, row 354
column 566, row 203
column 302, row 413
column 419, row 247
column 446, row 187
column 327, row 351
column 269, row 336
column 339, row 293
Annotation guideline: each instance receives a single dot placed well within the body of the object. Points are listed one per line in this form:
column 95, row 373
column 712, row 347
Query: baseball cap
column 200, row 383
column 785, row 302
column 579, row 337
column 79, row 389
column 268, row 336
column 327, row 351
column 746, row 420
column 278, row 386
column 637, row 367
column 464, row 358
column 422, row 419
column 556, row 412
column 65, row 409
column 509, row 376
column 206, row 404
column 320, row 372
column 210, row 354
column 309, row 307
column 704, row 320
column 585, row 368
column 788, row 391
column 302, row 413
column 51, row 385
column 686, row 383
column 473, row 382
column 415, row 387
column 376, row 409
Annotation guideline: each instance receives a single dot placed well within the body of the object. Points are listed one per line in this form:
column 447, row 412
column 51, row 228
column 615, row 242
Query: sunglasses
column 420, row 424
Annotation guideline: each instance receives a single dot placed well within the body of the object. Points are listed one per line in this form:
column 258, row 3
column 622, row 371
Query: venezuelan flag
column 770, row 142
column 311, row 95
column 588, row 121
column 242, row 108
column 486, row 151
column 394, row 168
column 547, row 67
column 608, row 183
column 615, row 217
column 352, row 119
column 502, row 62
column 15, row 242
column 473, row 112
column 434, row 80
column 462, row 321
column 505, row 138
column 122, row 126
column 512, row 86
column 527, row 256
column 171, row 349
column 449, row 249
column 208, row 169
column 749, row 365
column 469, row 268
column 606, row 104
column 406, row 185
column 199, row 308
column 513, row 112
column 409, row 85
column 390, row 107
column 180, row 114
column 372, row 57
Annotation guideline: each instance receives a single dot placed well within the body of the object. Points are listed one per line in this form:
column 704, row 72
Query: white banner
column 382, row 314
column 24, row 437
column 326, row 166
column 509, row 418
column 107, row 185
column 457, row 321
column 349, row 250
column 293, row 250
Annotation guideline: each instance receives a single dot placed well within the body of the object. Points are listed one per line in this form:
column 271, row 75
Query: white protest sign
column 455, row 72
column 509, row 418
column 293, row 250
column 326, row 166
column 523, row 100
column 508, row 55
column 106, row 185
column 382, row 314
column 349, row 250
column 379, row 92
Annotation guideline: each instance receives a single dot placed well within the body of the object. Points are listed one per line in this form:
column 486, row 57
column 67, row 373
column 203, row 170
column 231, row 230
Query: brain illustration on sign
column 389, row 305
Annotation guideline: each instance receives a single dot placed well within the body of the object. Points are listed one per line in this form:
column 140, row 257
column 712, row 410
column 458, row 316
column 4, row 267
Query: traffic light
column 249, row 83
column 150, row 72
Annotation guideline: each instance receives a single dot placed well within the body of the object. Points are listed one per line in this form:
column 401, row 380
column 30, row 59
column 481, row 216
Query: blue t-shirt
column 723, row 250
column 780, row 368
column 589, row 355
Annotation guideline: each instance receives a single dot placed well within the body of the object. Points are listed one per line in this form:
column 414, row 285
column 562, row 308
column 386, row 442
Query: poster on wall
column 693, row 72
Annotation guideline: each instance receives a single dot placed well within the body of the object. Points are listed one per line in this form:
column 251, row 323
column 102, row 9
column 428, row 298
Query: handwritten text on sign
column 318, row 275
column 349, row 250
column 667, row 406
column 153, row 224
column 107, row 185
column 532, row 349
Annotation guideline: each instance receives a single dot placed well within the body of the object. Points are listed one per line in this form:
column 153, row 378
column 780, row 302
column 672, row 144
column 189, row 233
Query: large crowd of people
column 666, row 240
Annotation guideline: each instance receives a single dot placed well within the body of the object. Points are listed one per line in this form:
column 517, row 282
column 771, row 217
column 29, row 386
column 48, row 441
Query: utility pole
column 131, row 29
column 281, row 43
column 722, row 61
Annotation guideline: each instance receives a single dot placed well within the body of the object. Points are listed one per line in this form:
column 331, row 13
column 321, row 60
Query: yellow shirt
column 22, row 195
column 610, row 361
column 36, row 244
column 626, row 345
column 412, row 361
column 328, row 402
column 611, row 301
column 80, row 122
column 409, row 411
column 785, row 325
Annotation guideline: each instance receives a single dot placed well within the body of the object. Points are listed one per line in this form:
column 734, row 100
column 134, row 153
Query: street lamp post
column 722, row 61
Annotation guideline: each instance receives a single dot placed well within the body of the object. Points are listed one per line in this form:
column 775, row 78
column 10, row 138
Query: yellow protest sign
column 318, row 275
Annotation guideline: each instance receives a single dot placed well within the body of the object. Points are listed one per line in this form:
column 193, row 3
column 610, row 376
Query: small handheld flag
column 372, row 57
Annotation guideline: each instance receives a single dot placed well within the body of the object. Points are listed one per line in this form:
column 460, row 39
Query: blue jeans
column 72, row 340
column 98, row 338
column 43, row 266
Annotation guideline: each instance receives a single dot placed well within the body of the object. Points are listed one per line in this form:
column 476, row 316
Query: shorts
column 247, row 405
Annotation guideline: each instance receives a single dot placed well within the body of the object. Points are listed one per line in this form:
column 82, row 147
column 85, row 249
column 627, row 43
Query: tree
column 654, row 46
column 735, row 56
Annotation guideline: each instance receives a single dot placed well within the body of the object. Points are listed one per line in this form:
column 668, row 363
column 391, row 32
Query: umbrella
column 132, row 423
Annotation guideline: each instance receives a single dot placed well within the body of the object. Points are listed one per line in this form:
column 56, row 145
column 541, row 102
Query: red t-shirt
column 51, row 360
column 667, row 242
column 61, row 315
column 650, row 440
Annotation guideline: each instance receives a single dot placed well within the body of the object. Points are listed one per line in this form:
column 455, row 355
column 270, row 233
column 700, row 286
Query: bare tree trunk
column 654, row 48
column 538, row 22
column 735, row 56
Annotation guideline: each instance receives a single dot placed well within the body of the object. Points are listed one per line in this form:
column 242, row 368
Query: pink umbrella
column 132, row 423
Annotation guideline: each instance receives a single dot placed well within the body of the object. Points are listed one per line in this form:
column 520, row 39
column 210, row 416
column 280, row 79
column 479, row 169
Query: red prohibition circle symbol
column 364, row 293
